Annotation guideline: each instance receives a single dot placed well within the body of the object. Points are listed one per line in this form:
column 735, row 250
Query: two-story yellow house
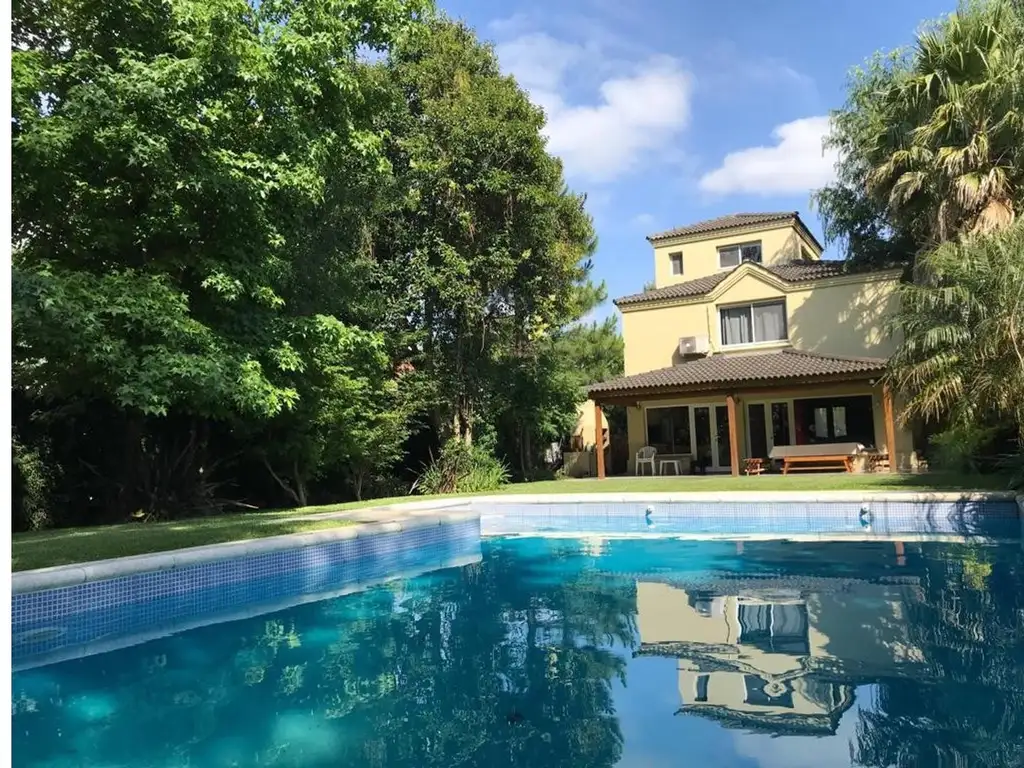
column 748, row 341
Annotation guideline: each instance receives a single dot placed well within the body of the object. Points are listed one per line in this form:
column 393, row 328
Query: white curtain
column 770, row 322
column 736, row 326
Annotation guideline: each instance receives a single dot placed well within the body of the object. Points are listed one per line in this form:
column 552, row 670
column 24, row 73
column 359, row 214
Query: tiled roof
column 698, row 287
column 726, row 222
column 791, row 272
column 799, row 271
column 737, row 368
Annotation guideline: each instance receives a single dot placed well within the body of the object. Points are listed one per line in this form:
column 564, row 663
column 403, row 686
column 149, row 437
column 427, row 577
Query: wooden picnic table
column 798, row 458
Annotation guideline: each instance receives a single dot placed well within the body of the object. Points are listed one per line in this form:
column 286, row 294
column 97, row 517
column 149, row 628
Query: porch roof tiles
column 787, row 364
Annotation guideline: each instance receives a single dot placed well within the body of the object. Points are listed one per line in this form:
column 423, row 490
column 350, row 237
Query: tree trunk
column 528, row 452
column 522, row 451
column 357, row 483
column 298, row 494
column 131, row 466
column 300, row 486
column 464, row 418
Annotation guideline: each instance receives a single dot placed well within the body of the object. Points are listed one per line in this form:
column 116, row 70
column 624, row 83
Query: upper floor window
column 753, row 323
column 676, row 260
column 733, row 255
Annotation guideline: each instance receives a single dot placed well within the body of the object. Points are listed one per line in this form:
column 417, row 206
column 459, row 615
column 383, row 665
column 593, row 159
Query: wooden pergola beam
column 890, row 426
column 734, row 447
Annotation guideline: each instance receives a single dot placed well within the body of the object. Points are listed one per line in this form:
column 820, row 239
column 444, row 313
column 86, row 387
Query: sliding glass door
column 767, row 426
column 701, row 431
column 722, row 443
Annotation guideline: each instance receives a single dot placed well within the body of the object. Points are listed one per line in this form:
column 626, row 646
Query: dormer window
column 732, row 255
column 676, row 260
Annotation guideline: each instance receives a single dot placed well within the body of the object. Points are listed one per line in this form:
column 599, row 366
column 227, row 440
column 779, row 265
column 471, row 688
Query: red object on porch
column 798, row 415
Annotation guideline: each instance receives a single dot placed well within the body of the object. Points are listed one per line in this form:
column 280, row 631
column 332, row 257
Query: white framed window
column 753, row 323
column 734, row 255
column 676, row 260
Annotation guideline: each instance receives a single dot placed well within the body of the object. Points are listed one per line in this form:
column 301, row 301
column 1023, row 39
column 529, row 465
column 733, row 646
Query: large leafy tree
column 931, row 174
column 487, row 247
column 961, row 359
column 167, row 159
column 251, row 264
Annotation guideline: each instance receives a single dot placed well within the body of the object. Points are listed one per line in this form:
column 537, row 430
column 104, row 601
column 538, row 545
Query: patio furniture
column 645, row 456
column 878, row 462
column 801, row 458
column 674, row 463
column 754, row 467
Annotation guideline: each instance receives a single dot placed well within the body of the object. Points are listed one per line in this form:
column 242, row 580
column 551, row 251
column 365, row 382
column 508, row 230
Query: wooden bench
column 809, row 463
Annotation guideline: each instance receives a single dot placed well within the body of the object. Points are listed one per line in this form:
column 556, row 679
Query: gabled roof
column 786, row 364
column 732, row 221
column 773, row 723
column 791, row 272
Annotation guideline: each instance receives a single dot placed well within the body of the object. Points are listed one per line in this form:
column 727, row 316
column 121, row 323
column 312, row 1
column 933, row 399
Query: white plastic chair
column 645, row 456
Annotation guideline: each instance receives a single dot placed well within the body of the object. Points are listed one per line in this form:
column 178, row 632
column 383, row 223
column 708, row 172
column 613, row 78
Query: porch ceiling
column 726, row 372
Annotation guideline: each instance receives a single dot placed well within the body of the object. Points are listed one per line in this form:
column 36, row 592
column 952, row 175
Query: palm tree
column 946, row 145
column 962, row 328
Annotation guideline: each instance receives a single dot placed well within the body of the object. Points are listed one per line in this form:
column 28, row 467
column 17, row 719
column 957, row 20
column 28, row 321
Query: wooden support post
column 734, row 443
column 599, row 440
column 890, row 426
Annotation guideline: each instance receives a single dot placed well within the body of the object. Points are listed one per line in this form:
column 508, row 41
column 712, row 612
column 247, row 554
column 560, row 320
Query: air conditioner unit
column 694, row 345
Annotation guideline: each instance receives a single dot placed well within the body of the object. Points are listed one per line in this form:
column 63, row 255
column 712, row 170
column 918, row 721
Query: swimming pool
column 594, row 651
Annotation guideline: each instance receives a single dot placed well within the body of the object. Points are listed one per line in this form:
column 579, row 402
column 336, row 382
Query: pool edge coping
column 394, row 518
column 75, row 574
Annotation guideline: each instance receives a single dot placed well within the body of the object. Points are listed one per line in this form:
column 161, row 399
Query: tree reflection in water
column 967, row 709
column 520, row 660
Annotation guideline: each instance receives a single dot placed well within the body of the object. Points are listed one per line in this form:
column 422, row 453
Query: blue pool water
column 577, row 652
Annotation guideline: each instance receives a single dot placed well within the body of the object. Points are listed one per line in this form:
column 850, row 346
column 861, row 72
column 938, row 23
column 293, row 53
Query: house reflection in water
column 781, row 658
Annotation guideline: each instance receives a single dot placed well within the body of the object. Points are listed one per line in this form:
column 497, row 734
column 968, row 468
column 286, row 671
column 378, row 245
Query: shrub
column 32, row 485
column 963, row 448
column 462, row 468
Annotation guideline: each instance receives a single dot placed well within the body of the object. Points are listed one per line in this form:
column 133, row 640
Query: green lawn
column 76, row 545
column 40, row 549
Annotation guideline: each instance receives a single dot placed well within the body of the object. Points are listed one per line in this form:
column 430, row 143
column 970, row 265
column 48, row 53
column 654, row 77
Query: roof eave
column 734, row 385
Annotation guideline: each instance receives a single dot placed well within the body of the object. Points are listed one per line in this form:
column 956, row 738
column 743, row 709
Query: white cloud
column 797, row 162
column 642, row 221
column 639, row 110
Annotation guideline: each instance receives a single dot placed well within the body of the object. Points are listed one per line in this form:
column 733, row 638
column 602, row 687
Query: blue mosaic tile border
column 993, row 518
column 50, row 620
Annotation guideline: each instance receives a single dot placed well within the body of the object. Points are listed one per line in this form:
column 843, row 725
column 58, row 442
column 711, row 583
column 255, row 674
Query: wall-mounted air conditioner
column 694, row 345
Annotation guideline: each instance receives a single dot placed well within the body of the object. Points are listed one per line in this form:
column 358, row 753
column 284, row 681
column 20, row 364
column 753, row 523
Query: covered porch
column 711, row 414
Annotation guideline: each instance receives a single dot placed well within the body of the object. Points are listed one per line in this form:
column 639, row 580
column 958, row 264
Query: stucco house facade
column 750, row 340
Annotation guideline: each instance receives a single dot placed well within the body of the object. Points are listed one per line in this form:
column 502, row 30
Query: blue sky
column 666, row 112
